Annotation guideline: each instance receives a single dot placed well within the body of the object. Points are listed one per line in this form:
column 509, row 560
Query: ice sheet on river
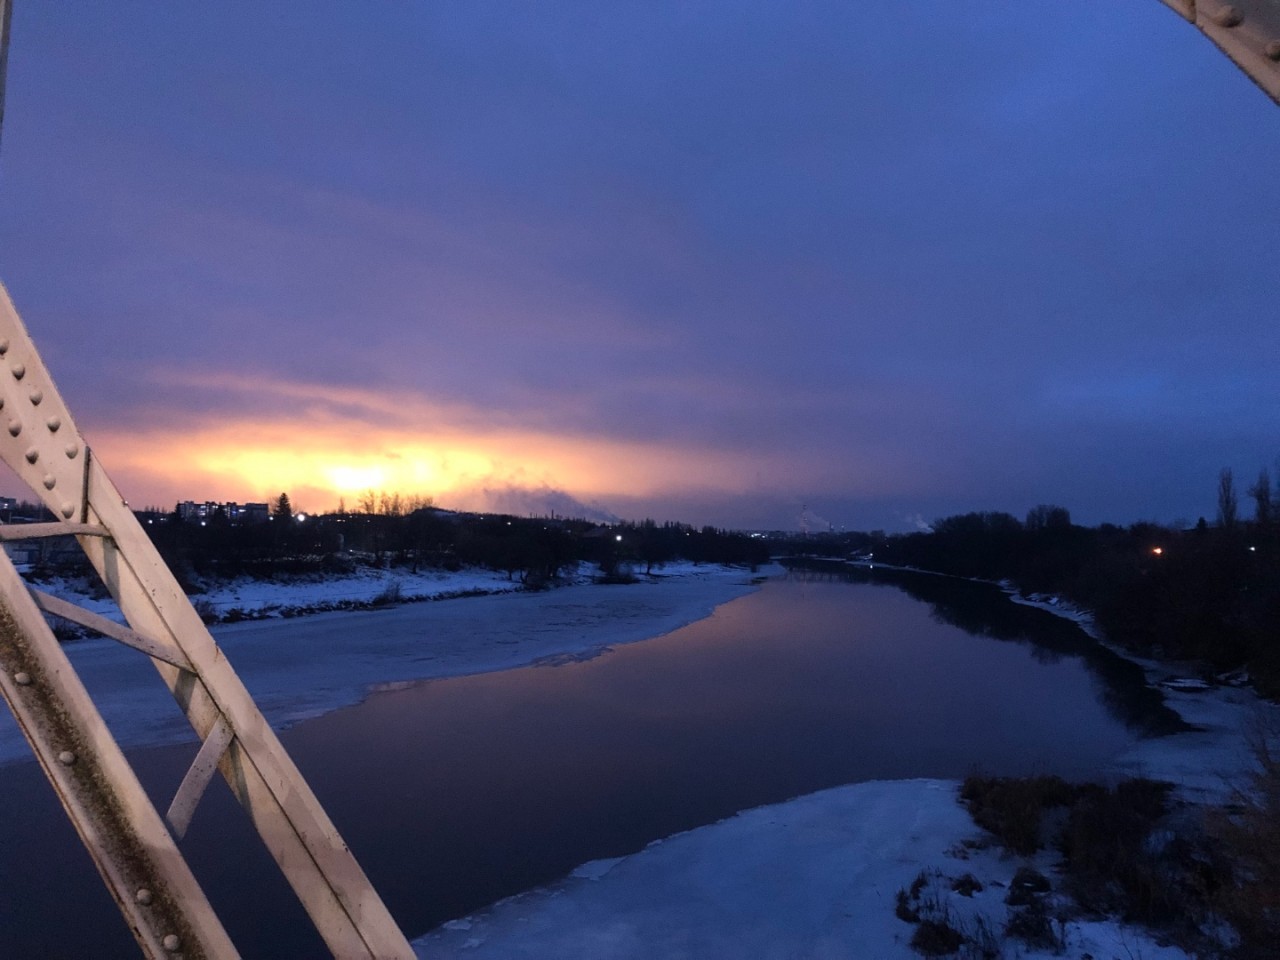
column 301, row 668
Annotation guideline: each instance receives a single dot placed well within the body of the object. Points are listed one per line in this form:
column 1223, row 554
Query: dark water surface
column 455, row 793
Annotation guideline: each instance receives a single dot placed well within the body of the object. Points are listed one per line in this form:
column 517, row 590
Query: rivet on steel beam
column 53, row 423
column 19, row 371
column 68, row 510
column 143, row 896
column 22, row 679
column 15, row 427
column 32, row 455
column 1227, row 16
column 1, row 403
column 72, row 450
column 36, row 397
column 1273, row 49
column 171, row 943
column 66, row 758
column 4, row 347
column 50, row 481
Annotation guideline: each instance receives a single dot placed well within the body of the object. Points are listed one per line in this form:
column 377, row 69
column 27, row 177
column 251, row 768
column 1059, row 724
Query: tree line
column 534, row 550
column 1209, row 593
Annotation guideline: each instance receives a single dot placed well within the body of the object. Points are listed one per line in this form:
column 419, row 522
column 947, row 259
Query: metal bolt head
column 53, row 423
column 72, row 451
column 36, row 397
column 15, row 427
column 66, row 758
column 68, row 510
column 22, row 678
column 171, row 943
column 50, row 481
column 32, row 455
column 143, row 896
column 19, row 371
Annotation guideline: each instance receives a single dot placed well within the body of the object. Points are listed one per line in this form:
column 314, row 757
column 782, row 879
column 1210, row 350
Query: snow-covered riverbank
column 817, row 877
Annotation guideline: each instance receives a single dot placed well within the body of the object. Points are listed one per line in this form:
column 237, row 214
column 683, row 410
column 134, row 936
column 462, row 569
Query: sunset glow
column 738, row 268
column 350, row 442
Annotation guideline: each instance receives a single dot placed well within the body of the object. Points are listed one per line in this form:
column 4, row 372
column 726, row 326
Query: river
column 456, row 792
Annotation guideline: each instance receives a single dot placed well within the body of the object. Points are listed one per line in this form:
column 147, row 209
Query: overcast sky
column 705, row 261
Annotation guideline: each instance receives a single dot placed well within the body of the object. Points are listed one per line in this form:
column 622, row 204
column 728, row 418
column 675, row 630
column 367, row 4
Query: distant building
column 193, row 512
column 254, row 513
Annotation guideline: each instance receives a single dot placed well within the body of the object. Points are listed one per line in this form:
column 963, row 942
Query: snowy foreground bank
column 817, row 877
column 812, row 878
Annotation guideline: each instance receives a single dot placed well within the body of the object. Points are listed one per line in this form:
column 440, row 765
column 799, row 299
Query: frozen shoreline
column 812, row 877
column 816, row 876
column 304, row 667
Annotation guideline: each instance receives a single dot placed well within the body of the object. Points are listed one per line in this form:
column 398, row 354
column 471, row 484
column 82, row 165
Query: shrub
column 1026, row 887
column 966, row 885
column 1251, row 838
column 1105, row 843
column 64, row 631
column 903, row 909
column 1011, row 808
column 936, row 938
column 1034, row 927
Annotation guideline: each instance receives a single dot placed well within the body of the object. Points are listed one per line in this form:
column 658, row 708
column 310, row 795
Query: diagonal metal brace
column 33, row 531
column 198, row 777
column 156, row 649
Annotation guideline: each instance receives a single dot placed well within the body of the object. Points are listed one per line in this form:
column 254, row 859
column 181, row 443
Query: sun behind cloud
column 326, row 444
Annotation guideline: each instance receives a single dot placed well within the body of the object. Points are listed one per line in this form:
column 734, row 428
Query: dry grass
column 1250, row 838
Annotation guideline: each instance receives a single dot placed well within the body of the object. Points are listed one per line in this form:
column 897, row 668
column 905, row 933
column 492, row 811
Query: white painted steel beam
column 39, row 441
column 196, row 781
column 1247, row 31
column 37, row 531
column 109, row 628
column 145, row 872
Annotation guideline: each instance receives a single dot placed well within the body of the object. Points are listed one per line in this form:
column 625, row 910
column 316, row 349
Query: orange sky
column 321, row 444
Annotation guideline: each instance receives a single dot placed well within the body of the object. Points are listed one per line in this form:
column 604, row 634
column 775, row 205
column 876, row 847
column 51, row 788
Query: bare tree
column 1264, row 510
column 1227, row 503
